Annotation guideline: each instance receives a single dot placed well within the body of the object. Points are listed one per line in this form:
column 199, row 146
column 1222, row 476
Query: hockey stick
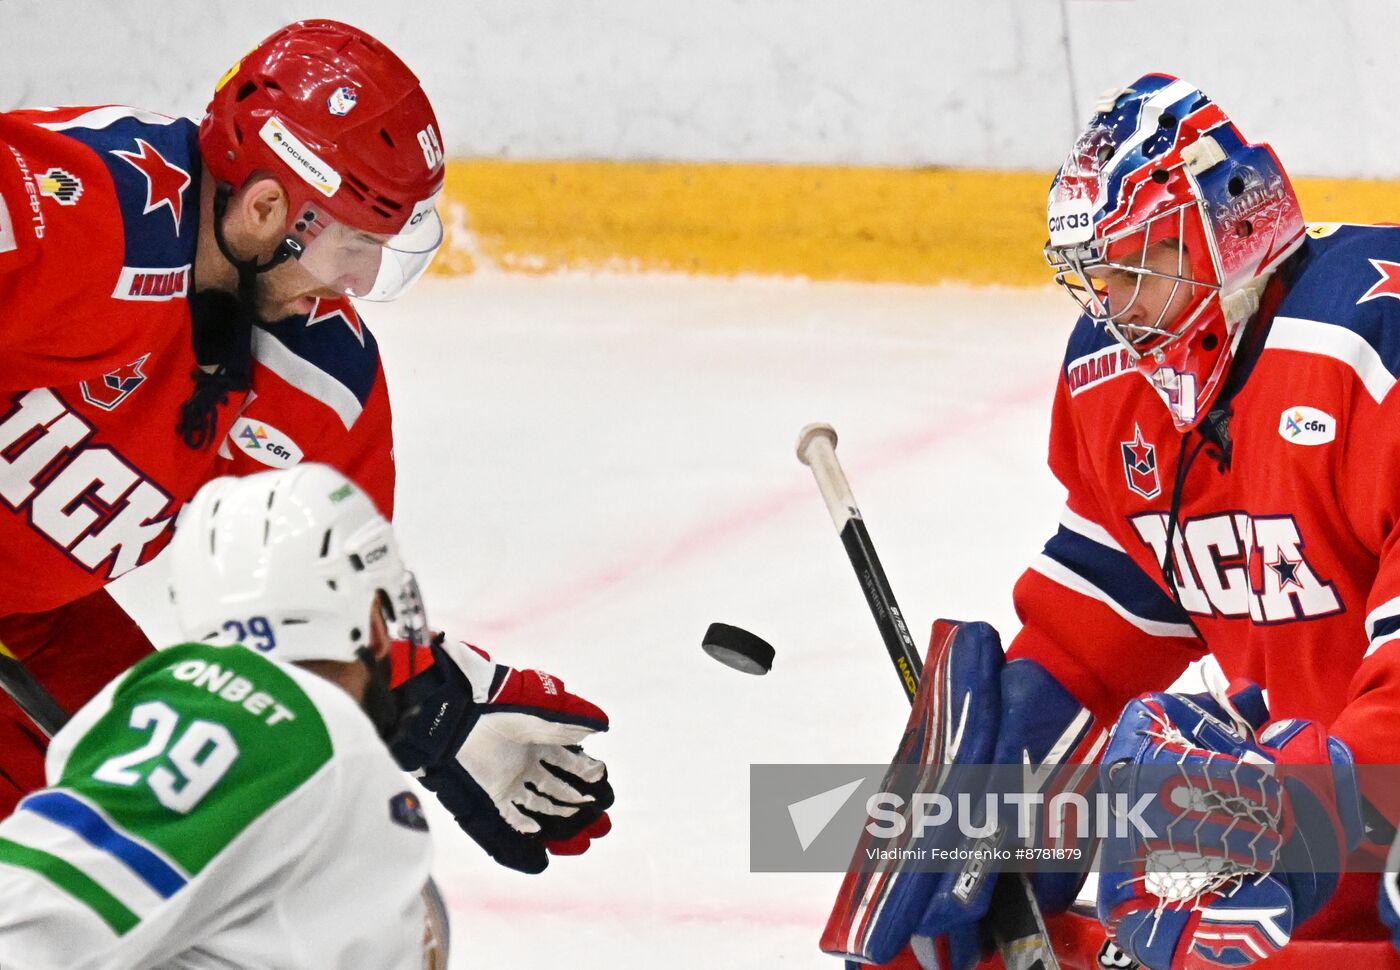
column 1016, row 921
column 30, row 695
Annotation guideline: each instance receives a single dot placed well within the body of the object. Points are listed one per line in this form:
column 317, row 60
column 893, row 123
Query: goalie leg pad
column 953, row 721
column 1041, row 727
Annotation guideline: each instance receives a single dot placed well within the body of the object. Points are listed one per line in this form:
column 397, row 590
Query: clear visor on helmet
column 361, row 264
column 1138, row 281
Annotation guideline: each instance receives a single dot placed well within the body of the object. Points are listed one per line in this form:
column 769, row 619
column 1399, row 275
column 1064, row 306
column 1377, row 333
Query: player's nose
column 1123, row 300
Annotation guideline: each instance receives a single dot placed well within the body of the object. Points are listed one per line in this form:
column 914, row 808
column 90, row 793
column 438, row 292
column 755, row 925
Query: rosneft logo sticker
column 62, row 186
column 307, row 164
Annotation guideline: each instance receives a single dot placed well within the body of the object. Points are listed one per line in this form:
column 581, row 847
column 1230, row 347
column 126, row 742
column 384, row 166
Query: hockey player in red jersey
column 177, row 306
column 1227, row 427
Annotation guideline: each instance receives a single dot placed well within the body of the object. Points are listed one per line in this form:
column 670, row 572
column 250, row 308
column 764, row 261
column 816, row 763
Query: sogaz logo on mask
column 1303, row 425
column 1070, row 221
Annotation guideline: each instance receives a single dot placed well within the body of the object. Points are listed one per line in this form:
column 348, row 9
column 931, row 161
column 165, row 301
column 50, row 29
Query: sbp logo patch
column 116, row 385
column 1140, row 465
column 1302, row 425
column 264, row 443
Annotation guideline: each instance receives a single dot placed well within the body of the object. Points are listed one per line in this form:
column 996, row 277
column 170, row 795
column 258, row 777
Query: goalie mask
column 1164, row 225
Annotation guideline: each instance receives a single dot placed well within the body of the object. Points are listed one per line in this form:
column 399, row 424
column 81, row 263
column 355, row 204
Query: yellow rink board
column 823, row 223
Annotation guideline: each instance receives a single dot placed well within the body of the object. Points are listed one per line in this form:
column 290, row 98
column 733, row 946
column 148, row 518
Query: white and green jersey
column 213, row 809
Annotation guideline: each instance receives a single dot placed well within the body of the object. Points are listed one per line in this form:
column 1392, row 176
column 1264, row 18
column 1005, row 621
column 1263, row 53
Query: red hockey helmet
column 344, row 125
column 1160, row 163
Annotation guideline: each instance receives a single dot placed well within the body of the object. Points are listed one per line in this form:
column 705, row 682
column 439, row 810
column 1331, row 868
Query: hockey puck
column 738, row 648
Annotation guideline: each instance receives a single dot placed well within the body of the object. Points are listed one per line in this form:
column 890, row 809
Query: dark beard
column 221, row 329
column 379, row 703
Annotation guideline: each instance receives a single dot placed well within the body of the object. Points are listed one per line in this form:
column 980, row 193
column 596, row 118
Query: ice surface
column 593, row 469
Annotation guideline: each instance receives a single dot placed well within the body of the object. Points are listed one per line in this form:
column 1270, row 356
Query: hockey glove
column 500, row 749
column 1232, row 854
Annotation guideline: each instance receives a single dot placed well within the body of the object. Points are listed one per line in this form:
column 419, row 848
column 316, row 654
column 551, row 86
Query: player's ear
column 379, row 640
column 262, row 204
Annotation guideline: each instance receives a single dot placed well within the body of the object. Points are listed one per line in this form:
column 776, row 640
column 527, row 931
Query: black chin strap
column 288, row 248
column 222, row 331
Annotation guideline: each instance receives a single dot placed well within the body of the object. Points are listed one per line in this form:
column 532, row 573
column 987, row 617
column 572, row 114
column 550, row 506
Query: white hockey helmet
column 287, row 562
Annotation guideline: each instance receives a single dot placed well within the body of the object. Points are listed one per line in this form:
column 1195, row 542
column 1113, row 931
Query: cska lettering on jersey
column 85, row 499
column 1234, row 564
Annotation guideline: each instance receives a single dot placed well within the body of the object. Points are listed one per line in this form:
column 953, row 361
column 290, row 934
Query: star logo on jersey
column 334, row 311
column 1387, row 285
column 116, row 385
column 1140, row 465
column 1287, row 571
column 165, row 183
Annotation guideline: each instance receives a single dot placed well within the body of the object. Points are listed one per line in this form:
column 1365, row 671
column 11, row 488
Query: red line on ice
column 714, row 532
column 629, row 910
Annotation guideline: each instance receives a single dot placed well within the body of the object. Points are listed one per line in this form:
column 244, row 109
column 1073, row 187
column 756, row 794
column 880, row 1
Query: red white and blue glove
column 500, row 748
column 1240, row 853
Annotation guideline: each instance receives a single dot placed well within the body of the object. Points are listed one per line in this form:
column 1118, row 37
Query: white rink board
column 591, row 470
column 993, row 84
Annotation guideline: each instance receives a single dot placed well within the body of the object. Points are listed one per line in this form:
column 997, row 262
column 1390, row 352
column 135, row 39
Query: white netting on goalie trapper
column 1183, row 878
column 1225, row 832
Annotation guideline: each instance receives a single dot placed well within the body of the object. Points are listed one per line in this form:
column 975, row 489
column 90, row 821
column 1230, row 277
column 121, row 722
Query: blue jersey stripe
column 92, row 828
column 1385, row 627
column 1115, row 574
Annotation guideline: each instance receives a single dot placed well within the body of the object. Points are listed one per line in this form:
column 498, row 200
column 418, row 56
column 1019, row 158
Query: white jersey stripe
column 1069, row 579
column 38, row 832
column 1088, row 529
column 307, row 377
column 104, row 116
column 1386, row 610
column 1380, row 642
column 1331, row 340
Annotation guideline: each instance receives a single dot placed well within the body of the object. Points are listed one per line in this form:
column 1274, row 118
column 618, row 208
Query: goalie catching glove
column 1240, row 852
column 500, row 748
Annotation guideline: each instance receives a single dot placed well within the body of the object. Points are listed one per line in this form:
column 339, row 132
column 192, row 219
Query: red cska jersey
column 99, row 216
column 1285, row 552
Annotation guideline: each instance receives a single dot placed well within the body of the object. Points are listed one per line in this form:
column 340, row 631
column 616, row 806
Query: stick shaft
column 817, row 450
column 29, row 695
column 1017, row 924
column 880, row 598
